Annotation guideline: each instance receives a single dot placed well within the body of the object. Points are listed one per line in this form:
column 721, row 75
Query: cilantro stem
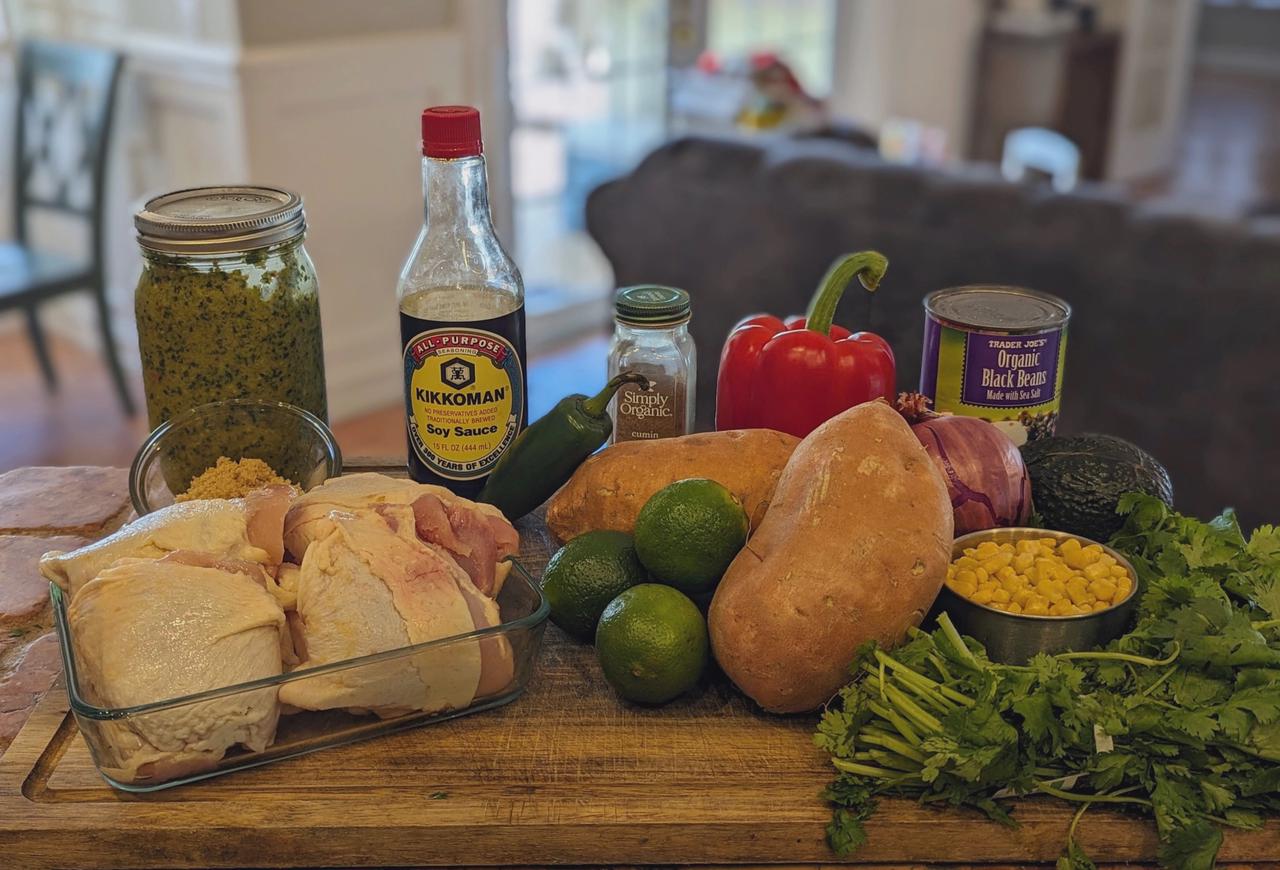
column 938, row 663
column 902, row 726
column 1123, row 657
column 1158, row 683
column 864, row 769
column 1088, row 798
column 896, row 762
column 953, row 636
column 911, row 710
column 892, row 743
column 907, row 674
column 927, row 696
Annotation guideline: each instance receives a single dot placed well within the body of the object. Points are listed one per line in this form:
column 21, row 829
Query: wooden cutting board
column 565, row 774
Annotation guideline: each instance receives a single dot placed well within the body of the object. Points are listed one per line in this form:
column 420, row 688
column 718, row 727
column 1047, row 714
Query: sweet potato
column 854, row 547
column 609, row 489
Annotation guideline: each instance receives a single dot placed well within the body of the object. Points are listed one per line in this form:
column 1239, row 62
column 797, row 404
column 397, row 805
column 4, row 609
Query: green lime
column 689, row 532
column 652, row 643
column 586, row 574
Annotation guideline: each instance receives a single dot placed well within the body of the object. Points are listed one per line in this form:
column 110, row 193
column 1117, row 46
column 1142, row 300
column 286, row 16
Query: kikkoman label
column 463, row 399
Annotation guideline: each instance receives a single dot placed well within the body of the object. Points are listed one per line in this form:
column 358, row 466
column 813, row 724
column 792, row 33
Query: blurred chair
column 66, row 95
column 1043, row 150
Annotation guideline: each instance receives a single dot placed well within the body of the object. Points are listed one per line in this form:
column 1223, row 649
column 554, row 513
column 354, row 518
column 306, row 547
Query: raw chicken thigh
column 148, row 630
column 368, row 585
column 249, row 528
column 477, row 535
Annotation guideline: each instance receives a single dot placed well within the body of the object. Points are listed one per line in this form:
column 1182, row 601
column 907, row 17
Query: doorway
column 592, row 88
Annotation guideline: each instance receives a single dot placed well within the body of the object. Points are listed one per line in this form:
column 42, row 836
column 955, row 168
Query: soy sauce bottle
column 462, row 324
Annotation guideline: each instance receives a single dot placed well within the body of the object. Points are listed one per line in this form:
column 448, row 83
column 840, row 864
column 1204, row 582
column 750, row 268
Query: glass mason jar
column 227, row 303
column 652, row 338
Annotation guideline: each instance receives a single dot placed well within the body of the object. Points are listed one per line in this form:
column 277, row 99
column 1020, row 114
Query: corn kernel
column 1013, row 607
column 1007, row 573
column 1020, row 596
column 994, row 563
column 987, row 549
column 966, row 577
column 1104, row 590
column 1101, row 605
column 1000, row 595
column 982, row 596
column 1023, row 561
column 1119, row 571
column 1036, row 607
column 981, row 574
column 1027, row 547
column 1123, row 587
column 1049, row 543
column 1096, row 571
column 1076, row 591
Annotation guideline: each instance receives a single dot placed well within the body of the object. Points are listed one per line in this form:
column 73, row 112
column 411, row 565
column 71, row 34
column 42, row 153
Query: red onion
column 986, row 478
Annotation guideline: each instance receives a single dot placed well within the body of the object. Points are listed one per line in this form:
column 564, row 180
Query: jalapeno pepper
column 544, row 456
column 796, row 374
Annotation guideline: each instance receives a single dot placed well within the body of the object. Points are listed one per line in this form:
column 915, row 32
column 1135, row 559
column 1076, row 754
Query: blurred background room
column 1124, row 154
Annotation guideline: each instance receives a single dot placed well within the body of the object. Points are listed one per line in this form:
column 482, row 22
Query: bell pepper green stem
column 868, row 266
column 599, row 403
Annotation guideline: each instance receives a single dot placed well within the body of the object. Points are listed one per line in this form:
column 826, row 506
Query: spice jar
column 227, row 305
column 652, row 338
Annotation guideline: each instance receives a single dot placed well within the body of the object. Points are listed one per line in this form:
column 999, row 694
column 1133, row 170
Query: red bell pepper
column 796, row 374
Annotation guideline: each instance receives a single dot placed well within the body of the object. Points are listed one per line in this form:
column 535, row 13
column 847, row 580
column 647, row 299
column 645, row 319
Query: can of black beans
column 996, row 353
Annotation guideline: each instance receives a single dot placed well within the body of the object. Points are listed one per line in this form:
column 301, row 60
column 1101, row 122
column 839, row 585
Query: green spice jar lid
column 651, row 305
column 213, row 220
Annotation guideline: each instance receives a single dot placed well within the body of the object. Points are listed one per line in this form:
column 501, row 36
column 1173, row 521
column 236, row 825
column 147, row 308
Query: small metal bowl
column 1013, row 638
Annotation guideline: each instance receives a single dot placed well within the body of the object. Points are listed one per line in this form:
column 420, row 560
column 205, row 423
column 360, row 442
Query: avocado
column 1076, row 482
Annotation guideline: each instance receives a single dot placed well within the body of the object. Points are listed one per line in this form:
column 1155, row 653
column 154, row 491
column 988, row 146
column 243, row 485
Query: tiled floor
column 82, row 424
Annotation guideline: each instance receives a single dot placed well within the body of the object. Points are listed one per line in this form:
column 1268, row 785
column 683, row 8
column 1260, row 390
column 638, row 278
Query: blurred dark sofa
column 1175, row 335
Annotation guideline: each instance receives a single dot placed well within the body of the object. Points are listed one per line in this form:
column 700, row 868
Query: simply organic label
column 463, row 399
column 658, row 412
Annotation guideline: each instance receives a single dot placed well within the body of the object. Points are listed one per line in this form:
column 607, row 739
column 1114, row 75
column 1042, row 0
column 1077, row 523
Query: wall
column 1155, row 69
column 1239, row 39
column 319, row 96
column 911, row 59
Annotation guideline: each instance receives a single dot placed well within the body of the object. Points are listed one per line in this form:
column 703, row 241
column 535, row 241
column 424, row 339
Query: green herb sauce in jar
column 248, row 327
column 227, row 305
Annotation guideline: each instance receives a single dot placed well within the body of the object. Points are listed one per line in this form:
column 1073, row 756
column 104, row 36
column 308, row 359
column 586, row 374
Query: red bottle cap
column 451, row 131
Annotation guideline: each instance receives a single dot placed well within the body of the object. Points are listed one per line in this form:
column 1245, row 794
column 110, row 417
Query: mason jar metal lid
column 651, row 305
column 999, row 307
column 212, row 220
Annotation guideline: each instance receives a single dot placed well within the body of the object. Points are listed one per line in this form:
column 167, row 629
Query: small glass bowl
column 294, row 442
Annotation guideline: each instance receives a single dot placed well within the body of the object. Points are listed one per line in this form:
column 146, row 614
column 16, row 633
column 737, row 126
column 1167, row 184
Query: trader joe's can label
column 463, row 399
column 996, row 353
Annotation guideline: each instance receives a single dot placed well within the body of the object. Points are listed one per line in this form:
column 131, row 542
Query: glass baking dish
column 524, row 613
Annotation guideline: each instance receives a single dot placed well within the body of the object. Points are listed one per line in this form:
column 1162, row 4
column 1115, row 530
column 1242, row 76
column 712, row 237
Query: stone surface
column 37, row 666
column 79, row 499
column 43, row 509
column 24, row 594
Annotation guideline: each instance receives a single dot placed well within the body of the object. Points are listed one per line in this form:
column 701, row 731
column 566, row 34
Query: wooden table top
column 565, row 774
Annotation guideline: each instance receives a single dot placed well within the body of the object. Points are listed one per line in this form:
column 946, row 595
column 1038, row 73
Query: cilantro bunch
column 1178, row 719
